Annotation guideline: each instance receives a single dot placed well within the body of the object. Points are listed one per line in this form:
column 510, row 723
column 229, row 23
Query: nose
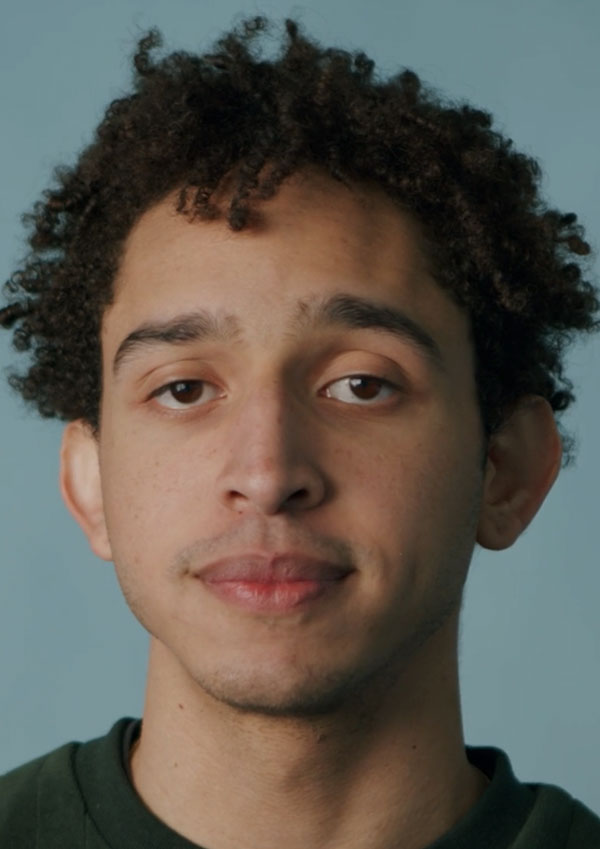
column 270, row 460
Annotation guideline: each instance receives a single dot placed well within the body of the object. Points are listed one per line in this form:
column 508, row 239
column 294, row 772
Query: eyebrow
column 197, row 326
column 354, row 312
column 347, row 311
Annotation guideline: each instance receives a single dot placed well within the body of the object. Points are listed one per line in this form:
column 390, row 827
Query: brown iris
column 364, row 387
column 187, row 391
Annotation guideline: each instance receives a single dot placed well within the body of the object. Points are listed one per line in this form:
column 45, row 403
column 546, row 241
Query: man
column 306, row 329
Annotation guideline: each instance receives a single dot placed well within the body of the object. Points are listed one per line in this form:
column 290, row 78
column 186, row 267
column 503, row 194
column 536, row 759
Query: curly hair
column 191, row 121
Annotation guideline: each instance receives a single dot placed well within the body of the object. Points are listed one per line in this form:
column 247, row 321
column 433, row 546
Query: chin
column 314, row 695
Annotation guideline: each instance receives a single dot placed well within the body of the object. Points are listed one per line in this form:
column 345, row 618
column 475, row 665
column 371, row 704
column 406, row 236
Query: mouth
column 272, row 583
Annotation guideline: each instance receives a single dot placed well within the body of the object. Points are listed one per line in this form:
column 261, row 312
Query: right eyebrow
column 200, row 325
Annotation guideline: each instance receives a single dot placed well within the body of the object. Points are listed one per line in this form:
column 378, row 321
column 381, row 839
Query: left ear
column 523, row 461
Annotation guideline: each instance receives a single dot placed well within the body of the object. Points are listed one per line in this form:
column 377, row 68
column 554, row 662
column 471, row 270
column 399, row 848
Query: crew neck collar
column 124, row 822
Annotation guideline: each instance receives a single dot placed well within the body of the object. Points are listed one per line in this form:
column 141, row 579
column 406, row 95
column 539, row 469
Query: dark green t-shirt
column 80, row 797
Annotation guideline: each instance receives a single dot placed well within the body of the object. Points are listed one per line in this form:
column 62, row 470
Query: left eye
column 185, row 393
column 361, row 389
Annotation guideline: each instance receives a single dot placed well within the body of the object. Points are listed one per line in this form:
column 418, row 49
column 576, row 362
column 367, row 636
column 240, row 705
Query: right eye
column 179, row 394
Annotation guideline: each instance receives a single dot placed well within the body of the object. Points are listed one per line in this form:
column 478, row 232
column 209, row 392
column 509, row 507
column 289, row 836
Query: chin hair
column 332, row 695
column 300, row 706
column 358, row 691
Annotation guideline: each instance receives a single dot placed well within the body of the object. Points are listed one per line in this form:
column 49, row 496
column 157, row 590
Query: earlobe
column 523, row 462
column 80, row 485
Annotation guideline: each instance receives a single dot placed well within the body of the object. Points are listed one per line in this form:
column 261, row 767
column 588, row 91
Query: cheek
column 423, row 492
column 153, row 500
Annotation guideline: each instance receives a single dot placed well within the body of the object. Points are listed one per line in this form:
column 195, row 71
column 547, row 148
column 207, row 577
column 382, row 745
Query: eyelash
column 170, row 387
column 196, row 383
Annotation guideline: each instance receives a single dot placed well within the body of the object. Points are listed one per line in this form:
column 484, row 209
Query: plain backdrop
column 72, row 658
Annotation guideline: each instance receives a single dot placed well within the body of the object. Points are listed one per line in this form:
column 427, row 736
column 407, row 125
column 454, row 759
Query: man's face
column 244, row 434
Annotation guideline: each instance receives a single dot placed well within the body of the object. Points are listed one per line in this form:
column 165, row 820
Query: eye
column 185, row 393
column 361, row 389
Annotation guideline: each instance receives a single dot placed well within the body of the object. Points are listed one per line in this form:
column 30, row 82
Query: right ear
column 80, row 484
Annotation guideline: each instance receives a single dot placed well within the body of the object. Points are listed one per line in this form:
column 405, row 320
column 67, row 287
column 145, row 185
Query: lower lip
column 272, row 596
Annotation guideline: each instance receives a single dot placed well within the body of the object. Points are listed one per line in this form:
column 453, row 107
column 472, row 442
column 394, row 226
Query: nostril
column 299, row 495
column 298, row 487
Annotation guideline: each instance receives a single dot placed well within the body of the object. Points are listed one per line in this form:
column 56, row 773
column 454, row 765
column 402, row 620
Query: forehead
column 315, row 238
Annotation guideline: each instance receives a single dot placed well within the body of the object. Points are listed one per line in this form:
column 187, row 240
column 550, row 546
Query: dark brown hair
column 514, row 264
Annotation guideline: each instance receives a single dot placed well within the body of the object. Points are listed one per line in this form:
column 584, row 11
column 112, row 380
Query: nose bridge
column 269, row 460
column 267, row 426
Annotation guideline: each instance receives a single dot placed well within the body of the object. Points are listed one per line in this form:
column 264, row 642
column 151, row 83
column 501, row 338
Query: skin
column 340, row 720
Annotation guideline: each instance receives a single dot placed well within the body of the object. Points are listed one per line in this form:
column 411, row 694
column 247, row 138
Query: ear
column 80, row 484
column 523, row 460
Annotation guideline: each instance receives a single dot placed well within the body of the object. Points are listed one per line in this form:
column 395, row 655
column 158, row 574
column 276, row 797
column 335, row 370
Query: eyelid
column 394, row 387
column 383, row 381
column 164, row 389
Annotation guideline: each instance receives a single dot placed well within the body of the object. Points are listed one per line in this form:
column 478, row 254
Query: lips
column 272, row 569
column 271, row 583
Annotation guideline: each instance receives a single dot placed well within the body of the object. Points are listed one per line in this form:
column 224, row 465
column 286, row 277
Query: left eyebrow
column 354, row 312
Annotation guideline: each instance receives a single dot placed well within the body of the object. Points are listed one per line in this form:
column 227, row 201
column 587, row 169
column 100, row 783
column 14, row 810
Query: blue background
column 72, row 658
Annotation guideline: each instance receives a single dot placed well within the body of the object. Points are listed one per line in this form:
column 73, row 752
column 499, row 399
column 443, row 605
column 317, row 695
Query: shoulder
column 585, row 827
column 527, row 815
column 558, row 819
column 44, row 803
column 44, row 786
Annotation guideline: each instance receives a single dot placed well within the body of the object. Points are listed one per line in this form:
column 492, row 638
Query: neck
column 388, row 769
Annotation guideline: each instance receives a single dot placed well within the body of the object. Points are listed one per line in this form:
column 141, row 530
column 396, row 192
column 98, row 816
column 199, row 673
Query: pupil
column 187, row 391
column 365, row 388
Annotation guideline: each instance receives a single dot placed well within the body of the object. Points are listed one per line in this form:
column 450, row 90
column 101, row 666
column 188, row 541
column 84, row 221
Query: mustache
column 257, row 535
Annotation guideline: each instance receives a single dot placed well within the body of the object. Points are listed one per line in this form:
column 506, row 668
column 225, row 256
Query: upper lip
column 271, row 568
